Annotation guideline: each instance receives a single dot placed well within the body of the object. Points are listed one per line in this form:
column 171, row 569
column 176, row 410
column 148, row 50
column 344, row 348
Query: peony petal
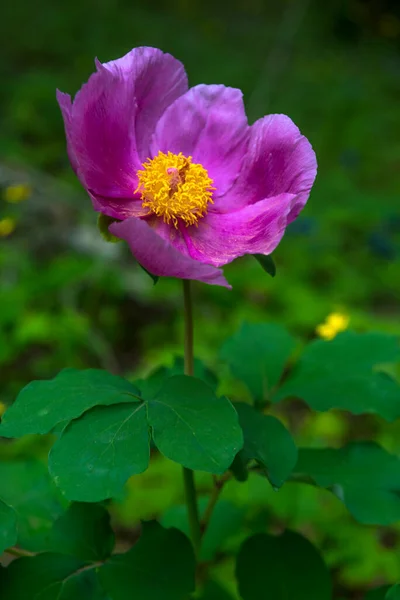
column 159, row 257
column 118, row 208
column 279, row 160
column 173, row 236
column 64, row 101
column 159, row 80
column 101, row 135
column 208, row 123
column 113, row 117
column 255, row 229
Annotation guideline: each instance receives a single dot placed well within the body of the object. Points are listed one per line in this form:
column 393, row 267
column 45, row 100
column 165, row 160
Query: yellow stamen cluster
column 174, row 188
column 334, row 323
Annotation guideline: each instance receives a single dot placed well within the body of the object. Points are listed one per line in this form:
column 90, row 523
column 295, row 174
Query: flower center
column 174, row 188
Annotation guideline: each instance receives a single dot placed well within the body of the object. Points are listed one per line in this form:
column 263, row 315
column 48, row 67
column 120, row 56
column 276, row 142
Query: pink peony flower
column 190, row 184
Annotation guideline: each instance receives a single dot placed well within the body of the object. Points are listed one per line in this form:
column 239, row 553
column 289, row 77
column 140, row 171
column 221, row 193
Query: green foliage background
column 68, row 299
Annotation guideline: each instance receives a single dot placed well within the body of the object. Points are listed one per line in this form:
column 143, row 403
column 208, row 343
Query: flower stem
column 188, row 312
column 188, row 475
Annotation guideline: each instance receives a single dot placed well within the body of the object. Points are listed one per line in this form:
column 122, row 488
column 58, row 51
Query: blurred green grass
column 331, row 69
column 67, row 301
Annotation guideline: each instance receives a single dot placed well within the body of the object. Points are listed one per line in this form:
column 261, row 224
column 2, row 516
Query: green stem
column 191, row 504
column 188, row 475
column 214, row 497
column 188, row 312
column 18, row 552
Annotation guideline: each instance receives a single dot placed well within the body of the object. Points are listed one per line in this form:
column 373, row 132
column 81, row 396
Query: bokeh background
column 69, row 299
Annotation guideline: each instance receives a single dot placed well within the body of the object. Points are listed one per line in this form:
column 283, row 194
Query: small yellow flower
column 325, row 332
column 3, row 408
column 333, row 324
column 17, row 193
column 7, row 226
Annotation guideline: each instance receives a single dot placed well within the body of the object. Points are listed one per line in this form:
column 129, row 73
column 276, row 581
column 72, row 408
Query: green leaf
column 155, row 278
column 239, row 468
column 267, row 263
column 341, row 373
column 363, row 475
column 384, row 593
column 97, row 453
column 41, row 405
column 160, row 565
column 283, row 567
column 213, row 591
column 151, row 385
column 226, row 520
column 84, row 531
column 393, row 593
column 27, row 487
column 193, row 427
column 267, row 441
column 378, row 594
column 82, row 586
column 103, row 223
column 8, row 527
column 257, row 355
column 42, row 576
